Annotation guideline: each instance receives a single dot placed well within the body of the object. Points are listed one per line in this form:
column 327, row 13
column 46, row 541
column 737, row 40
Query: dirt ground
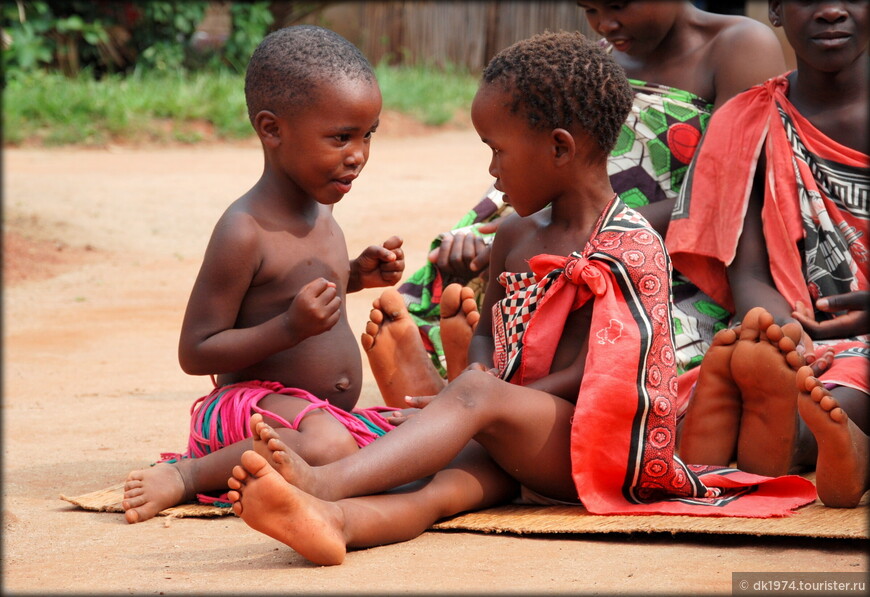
column 101, row 248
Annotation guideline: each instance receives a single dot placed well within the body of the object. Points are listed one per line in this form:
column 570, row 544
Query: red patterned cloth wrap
column 815, row 212
column 222, row 418
column 624, row 426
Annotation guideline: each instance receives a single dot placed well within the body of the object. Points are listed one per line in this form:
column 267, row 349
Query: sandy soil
column 100, row 251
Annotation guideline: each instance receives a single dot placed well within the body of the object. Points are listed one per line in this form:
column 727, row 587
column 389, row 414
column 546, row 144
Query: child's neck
column 284, row 196
column 581, row 205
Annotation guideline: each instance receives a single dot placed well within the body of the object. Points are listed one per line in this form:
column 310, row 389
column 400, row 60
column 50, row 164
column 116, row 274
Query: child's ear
column 564, row 146
column 267, row 128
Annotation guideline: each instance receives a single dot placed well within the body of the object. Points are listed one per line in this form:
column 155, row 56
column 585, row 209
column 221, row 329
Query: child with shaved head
column 266, row 318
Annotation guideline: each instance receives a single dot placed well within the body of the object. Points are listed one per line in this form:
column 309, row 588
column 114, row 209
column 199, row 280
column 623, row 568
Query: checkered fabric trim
column 513, row 313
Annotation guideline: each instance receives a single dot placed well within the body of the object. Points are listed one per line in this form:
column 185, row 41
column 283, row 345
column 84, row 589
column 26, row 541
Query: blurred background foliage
column 90, row 72
column 110, row 36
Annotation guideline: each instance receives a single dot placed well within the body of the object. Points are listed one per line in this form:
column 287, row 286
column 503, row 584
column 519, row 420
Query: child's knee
column 323, row 439
column 475, row 389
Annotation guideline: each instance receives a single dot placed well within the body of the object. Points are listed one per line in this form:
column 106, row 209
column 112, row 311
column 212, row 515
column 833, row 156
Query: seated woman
column 774, row 215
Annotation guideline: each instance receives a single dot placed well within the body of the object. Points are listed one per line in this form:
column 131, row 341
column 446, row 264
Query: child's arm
column 482, row 345
column 211, row 342
column 377, row 266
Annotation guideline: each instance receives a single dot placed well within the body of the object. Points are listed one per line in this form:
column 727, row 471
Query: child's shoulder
column 514, row 225
column 238, row 223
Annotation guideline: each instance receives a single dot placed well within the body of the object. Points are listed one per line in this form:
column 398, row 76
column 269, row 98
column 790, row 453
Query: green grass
column 55, row 110
column 432, row 95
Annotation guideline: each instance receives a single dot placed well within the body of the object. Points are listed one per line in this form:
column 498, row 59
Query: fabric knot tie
column 578, row 270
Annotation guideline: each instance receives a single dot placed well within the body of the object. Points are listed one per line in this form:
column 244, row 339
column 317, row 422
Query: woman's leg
column 842, row 475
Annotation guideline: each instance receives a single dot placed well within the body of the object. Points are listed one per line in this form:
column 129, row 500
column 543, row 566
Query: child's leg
column 320, row 439
column 398, row 360
column 525, row 431
column 763, row 366
column 708, row 434
column 842, row 466
column 322, row 531
column 459, row 317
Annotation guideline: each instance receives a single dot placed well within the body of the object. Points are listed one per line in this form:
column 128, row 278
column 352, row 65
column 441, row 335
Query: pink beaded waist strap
column 222, row 417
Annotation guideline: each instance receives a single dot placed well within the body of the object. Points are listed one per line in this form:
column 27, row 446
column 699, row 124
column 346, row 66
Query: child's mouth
column 344, row 184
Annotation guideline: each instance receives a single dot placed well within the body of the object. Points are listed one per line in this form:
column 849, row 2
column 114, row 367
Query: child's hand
column 398, row 417
column 476, row 366
column 462, row 256
column 418, row 402
column 314, row 310
column 378, row 266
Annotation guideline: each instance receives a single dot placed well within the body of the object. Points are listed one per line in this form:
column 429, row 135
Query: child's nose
column 355, row 156
column 607, row 25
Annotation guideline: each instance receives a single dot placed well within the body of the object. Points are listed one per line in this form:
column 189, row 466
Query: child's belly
column 328, row 365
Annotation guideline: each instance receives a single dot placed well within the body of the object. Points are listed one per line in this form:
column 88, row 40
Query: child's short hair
column 561, row 79
column 289, row 64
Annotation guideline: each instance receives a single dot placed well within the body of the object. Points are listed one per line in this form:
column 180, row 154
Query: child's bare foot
column 842, row 464
column 267, row 503
column 396, row 354
column 151, row 490
column 287, row 463
column 268, row 444
column 709, row 431
column 763, row 366
column 459, row 317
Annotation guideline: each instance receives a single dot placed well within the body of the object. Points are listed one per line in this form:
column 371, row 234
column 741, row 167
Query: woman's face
column 635, row 27
column 827, row 36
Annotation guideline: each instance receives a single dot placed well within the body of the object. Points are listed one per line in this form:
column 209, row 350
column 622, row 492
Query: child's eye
column 342, row 138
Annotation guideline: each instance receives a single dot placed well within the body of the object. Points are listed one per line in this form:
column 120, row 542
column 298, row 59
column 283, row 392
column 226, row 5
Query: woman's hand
column 854, row 320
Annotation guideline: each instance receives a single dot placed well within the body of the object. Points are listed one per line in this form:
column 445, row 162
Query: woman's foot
column 709, row 431
column 763, row 366
column 149, row 491
column 398, row 360
column 842, row 464
column 267, row 503
column 459, row 317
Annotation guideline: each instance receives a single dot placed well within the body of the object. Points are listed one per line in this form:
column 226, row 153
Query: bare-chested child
column 580, row 281
column 790, row 237
column 266, row 315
